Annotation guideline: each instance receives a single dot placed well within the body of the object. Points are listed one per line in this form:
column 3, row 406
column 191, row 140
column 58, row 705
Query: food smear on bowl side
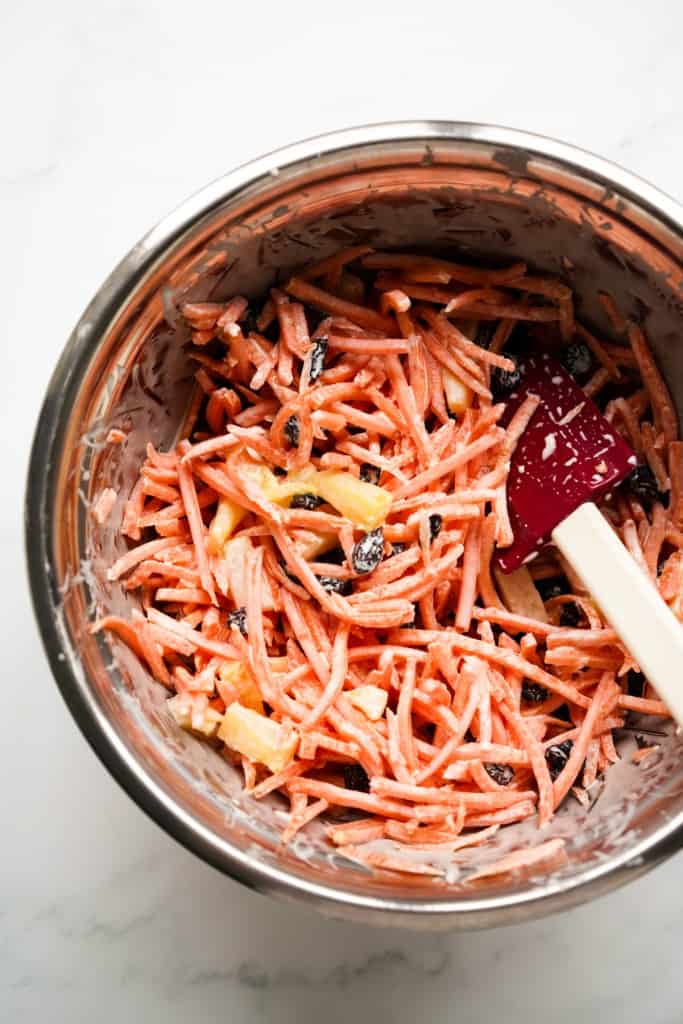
column 317, row 559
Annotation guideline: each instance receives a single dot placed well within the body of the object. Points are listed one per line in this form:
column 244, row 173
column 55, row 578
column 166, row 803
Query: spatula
column 569, row 457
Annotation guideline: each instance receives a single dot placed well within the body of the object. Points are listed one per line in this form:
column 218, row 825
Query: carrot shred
column 371, row 636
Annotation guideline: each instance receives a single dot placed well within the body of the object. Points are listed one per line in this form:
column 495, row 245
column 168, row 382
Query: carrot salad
column 315, row 559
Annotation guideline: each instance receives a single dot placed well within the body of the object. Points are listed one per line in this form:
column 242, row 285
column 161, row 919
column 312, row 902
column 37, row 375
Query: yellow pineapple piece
column 371, row 700
column 257, row 737
column 366, row 505
column 311, row 544
column 520, row 594
column 458, row 395
column 205, row 721
column 237, row 675
column 228, row 516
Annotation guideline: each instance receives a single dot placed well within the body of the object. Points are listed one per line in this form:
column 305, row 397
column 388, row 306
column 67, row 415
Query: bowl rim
column 70, row 676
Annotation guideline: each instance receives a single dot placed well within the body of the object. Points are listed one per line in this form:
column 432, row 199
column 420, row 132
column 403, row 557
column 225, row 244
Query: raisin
column 552, row 587
column 570, row 615
column 356, row 777
column 435, row 524
column 367, row 553
column 557, row 757
column 279, row 471
column 503, row 774
column 577, row 359
column 534, row 693
column 292, row 431
column 635, row 683
column 318, row 354
column 505, row 381
column 306, row 501
column 335, row 586
column 369, row 474
column 643, row 486
column 238, row 620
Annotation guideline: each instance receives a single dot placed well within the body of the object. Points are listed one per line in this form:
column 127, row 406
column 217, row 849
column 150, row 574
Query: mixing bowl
column 489, row 193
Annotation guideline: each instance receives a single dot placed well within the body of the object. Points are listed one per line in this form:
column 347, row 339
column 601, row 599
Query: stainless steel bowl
column 485, row 190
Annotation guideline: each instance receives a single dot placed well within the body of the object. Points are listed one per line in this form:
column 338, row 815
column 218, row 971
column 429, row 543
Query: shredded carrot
column 320, row 548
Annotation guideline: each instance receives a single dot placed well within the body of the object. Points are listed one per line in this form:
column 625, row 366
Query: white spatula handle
column 628, row 599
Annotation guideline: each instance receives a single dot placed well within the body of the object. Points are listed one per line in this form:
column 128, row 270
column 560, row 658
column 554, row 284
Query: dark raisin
column 238, row 620
column 318, row 354
column 435, row 524
column 503, row 774
column 335, row 586
column 643, row 486
column 306, row 501
column 505, row 381
column 369, row 474
column 279, row 471
column 367, row 553
column 288, row 574
column 534, row 693
column 557, row 757
column 635, row 683
column 570, row 615
column 292, row 431
column 577, row 359
column 397, row 548
column 356, row 777
column 551, row 587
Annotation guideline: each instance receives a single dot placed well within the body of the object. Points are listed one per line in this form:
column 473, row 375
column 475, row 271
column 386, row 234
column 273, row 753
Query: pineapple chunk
column 366, row 505
column 205, row 721
column 227, row 518
column 371, row 700
column 519, row 593
column 310, row 544
column 236, row 675
column 282, row 489
column 257, row 737
column 458, row 395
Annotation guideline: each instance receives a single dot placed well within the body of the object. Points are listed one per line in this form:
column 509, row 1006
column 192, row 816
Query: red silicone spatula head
column 568, row 454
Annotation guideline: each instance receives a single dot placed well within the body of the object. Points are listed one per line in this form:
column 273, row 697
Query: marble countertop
column 112, row 113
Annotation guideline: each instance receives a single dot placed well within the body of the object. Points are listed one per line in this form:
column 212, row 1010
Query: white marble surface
column 110, row 114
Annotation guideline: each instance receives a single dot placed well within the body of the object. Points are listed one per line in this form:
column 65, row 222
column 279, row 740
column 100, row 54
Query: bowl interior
column 127, row 367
